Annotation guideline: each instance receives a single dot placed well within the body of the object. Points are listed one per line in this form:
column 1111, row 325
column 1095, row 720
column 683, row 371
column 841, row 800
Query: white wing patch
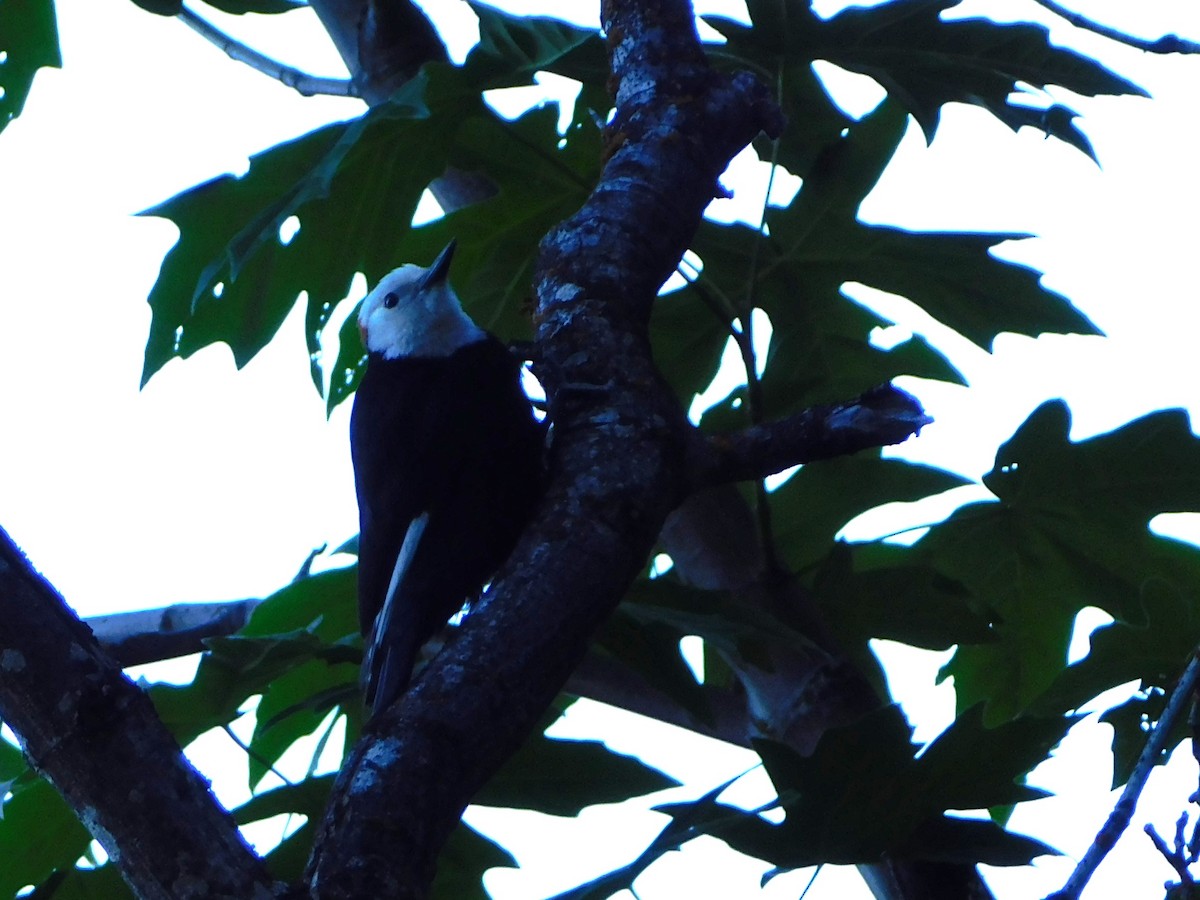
column 404, row 559
column 380, row 668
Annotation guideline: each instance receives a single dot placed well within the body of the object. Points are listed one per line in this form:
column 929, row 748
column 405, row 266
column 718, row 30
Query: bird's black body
column 452, row 438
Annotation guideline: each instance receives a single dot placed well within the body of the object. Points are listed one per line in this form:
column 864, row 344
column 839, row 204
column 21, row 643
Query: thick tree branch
column 95, row 736
column 302, row 82
column 618, row 465
column 383, row 42
column 882, row 416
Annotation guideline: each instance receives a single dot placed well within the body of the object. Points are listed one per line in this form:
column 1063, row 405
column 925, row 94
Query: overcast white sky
column 212, row 485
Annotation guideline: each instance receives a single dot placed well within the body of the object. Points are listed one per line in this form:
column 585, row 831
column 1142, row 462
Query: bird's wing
column 402, row 454
column 442, row 507
column 392, row 474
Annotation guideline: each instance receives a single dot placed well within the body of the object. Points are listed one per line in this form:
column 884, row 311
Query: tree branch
column 95, row 736
column 617, row 471
column 1168, row 43
column 1118, row 820
column 882, row 416
column 152, row 635
column 382, row 42
column 383, row 45
column 306, row 84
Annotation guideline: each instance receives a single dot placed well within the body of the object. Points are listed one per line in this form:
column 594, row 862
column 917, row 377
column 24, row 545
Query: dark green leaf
column 277, row 654
column 1069, row 531
column 914, row 604
column 196, row 300
column 312, row 619
column 815, row 503
column 958, row 280
column 1056, row 121
column 378, row 167
column 682, row 828
column 236, row 283
column 326, row 603
column 512, row 49
column 1147, row 467
column 813, row 120
column 1132, row 723
column 818, row 245
column 28, row 41
column 847, row 171
column 293, row 706
column 723, row 619
column 835, row 798
column 948, row 839
column 820, row 350
column 925, row 61
column 562, row 777
column 542, row 177
column 1154, row 649
column 265, row 7
column 688, row 340
column 861, row 793
column 12, row 762
column 104, row 883
column 652, row 651
column 306, row 798
column 288, row 859
column 39, row 834
column 348, row 369
column 971, row 766
column 161, row 7
column 463, row 862
column 212, row 700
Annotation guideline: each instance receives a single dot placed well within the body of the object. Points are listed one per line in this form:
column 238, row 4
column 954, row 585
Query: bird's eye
column 390, row 300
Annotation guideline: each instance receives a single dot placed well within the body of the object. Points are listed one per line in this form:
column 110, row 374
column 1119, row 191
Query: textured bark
column 95, row 736
column 882, row 416
column 619, row 465
column 624, row 457
column 152, row 635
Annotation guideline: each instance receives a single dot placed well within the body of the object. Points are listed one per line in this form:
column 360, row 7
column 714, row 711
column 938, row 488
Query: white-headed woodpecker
column 448, row 462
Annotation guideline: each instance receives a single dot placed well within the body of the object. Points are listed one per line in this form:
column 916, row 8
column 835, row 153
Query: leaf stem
column 754, row 396
column 1168, row 43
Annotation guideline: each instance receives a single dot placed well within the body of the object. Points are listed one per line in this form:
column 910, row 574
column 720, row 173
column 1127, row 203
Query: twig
column 306, row 567
column 1118, row 819
column 1180, row 858
column 256, row 756
column 306, row 84
column 1168, row 43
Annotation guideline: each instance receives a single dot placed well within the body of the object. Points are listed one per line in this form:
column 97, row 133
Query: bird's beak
column 440, row 269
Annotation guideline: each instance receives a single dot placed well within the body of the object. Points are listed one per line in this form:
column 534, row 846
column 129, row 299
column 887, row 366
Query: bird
column 448, row 461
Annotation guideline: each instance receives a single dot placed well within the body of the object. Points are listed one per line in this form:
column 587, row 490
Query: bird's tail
column 393, row 643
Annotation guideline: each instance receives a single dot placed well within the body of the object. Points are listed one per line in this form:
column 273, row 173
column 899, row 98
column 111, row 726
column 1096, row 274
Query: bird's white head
column 413, row 311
